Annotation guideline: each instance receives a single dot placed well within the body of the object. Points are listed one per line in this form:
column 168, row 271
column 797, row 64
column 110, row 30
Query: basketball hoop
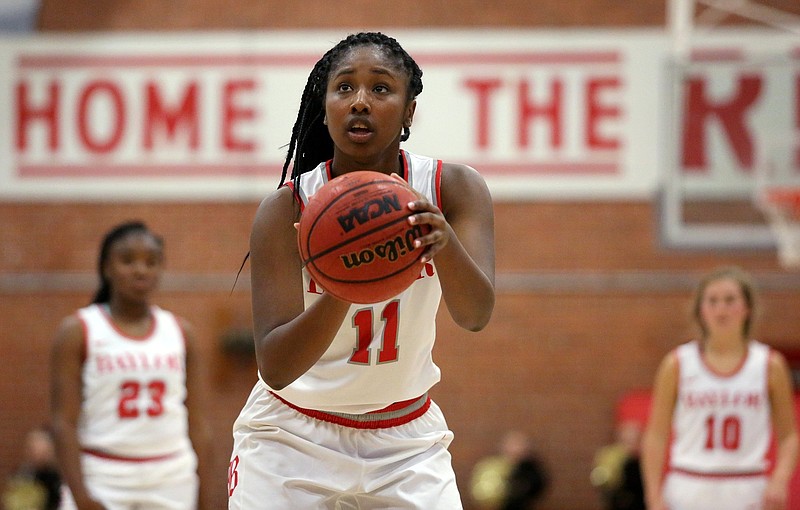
column 781, row 205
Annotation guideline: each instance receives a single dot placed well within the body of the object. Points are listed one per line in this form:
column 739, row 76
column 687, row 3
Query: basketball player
column 340, row 416
column 719, row 396
column 121, row 368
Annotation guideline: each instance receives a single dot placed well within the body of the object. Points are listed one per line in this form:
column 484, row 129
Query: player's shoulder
column 70, row 334
column 447, row 167
column 462, row 179
column 776, row 360
column 71, row 323
column 280, row 197
column 689, row 348
column 279, row 205
column 182, row 322
column 671, row 361
column 460, row 170
column 186, row 327
column 463, row 188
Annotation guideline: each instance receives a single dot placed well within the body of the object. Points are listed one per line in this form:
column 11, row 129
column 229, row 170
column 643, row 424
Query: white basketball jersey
column 382, row 352
column 721, row 423
column 134, row 389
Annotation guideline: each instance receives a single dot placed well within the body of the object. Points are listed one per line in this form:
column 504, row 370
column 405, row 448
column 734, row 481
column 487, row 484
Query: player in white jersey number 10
column 720, row 397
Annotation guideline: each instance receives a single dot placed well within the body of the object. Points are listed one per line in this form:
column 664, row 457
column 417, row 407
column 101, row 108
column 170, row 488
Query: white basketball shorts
column 284, row 459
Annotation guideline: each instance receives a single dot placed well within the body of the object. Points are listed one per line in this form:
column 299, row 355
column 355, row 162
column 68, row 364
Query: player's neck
column 389, row 162
column 724, row 356
column 724, row 345
column 128, row 311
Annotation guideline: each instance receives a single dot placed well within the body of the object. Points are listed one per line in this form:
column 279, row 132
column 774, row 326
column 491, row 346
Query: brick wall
column 73, row 15
column 584, row 314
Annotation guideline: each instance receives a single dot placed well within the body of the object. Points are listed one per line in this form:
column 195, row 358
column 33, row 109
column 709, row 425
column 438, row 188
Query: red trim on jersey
column 437, row 180
column 361, row 421
column 297, row 198
column 85, row 328
column 183, row 334
column 404, row 173
column 329, row 169
column 104, row 455
column 701, row 474
column 396, row 406
column 717, row 372
column 437, row 192
column 296, row 194
column 105, row 313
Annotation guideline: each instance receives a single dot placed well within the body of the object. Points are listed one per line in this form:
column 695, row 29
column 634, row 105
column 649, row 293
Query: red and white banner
column 208, row 116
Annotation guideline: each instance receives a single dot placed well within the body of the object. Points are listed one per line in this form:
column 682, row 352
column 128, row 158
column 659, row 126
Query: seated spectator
column 616, row 471
column 514, row 479
column 36, row 485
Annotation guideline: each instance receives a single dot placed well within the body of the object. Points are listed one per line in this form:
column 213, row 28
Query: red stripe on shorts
column 416, row 408
column 701, row 474
column 109, row 456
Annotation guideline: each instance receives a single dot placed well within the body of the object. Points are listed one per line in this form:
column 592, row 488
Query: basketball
column 355, row 239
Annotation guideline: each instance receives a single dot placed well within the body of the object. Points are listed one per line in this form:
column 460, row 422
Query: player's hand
column 425, row 213
column 428, row 214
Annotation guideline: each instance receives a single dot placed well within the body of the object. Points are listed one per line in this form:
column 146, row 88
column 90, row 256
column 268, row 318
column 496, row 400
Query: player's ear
column 410, row 109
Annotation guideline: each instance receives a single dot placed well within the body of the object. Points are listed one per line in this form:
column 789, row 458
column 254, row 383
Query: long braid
column 311, row 143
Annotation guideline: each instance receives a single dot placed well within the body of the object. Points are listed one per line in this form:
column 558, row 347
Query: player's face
column 134, row 266
column 723, row 307
column 366, row 107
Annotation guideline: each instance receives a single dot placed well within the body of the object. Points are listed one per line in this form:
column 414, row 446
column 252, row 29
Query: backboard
column 734, row 110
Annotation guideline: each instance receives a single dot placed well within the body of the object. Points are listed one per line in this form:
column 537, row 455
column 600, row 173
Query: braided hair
column 311, row 143
column 103, row 294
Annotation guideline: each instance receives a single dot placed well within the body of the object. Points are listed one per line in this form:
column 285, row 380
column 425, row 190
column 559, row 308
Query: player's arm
column 199, row 431
column 66, row 389
column 288, row 340
column 656, row 436
column 784, row 423
column 461, row 242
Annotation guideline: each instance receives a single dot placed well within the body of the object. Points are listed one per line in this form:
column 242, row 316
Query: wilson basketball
column 355, row 239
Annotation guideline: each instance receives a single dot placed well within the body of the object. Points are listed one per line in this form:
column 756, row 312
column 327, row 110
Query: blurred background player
column 340, row 416
column 121, row 370
column 720, row 396
column 616, row 469
column 513, row 479
column 36, row 484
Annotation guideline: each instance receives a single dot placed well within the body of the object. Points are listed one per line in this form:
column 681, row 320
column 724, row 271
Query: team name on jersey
column 720, row 399
column 137, row 362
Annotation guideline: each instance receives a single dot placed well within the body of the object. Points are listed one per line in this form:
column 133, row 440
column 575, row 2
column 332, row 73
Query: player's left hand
column 425, row 213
